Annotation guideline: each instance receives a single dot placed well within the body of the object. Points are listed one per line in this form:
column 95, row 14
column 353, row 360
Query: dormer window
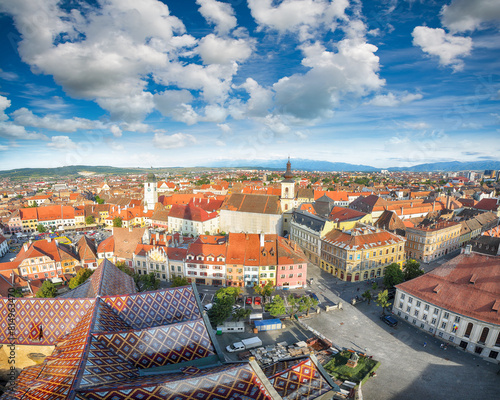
column 199, row 257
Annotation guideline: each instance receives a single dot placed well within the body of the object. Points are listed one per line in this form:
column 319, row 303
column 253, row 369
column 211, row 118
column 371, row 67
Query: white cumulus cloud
column 300, row 16
column 467, row 15
column 216, row 50
column 449, row 48
column 393, row 100
column 61, row 143
column 218, row 13
column 25, row 117
column 174, row 141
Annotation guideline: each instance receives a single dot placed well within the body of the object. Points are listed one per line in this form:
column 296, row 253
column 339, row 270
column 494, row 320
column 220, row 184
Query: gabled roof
column 191, row 213
column 252, row 203
column 457, row 293
column 487, row 204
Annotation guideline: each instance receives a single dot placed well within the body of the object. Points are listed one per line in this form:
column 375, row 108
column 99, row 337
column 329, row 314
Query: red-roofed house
column 458, row 301
column 46, row 259
column 192, row 220
column 206, row 263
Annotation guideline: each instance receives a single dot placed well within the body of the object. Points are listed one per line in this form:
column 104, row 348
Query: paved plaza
column 409, row 370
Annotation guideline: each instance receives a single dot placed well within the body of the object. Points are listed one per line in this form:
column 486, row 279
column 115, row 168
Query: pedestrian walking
column 425, row 344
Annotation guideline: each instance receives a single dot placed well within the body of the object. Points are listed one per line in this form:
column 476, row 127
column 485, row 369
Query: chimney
column 157, row 236
column 261, row 240
column 130, row 228
column 49, row 239
column 468, row 249
column 433, row 206
column 25, row 245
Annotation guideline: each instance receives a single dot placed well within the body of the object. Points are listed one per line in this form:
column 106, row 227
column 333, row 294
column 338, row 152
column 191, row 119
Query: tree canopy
column 179, row 281
column 382, row 300
column 47, row 290
column 117, row 222
column 241, row 313
column 393, row 275
column 40, row 228
column 412, row 270
column 221, row 310
column 265, row 291
column 90, row 220
column 81, row 276
column 231, row 291
column 276, row 307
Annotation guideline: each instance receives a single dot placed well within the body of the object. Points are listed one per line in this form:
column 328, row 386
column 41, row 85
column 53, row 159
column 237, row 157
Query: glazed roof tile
column 162, row 345
column 300, row 381
column 231, row 381
column 151, row 309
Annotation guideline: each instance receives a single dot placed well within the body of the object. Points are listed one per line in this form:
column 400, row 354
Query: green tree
column 47, row 290
column 98, row 200
column 231, row 291
column 40, row 228
column 90, row 220
column 124, row 268
column 383, row 300
column 81, row 276
column 412, row 270
column 16, row 293
column 367, row 295
column 179, row 281
column 221, row 310
column 295, row 305
column 145, row 283
column 117, row 222
column 202, row 181
column 276, row 307
column 393, row 275
column 241, row 313
column 265, row 291
column 308, row 303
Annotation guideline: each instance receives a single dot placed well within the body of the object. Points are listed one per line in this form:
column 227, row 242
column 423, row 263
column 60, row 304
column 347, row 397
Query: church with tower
column 288, row 189
column 287, row 199
column 150, row 192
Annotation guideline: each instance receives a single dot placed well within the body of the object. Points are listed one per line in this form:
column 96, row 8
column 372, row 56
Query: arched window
column 484, row 335
column 468, row 330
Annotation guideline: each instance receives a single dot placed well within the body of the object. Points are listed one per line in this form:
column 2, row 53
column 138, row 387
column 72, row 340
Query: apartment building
column 360, row 253
column 428, row 243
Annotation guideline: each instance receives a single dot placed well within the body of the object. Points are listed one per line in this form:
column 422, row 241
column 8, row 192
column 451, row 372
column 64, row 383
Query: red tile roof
column 449, row 286
column 191, row 213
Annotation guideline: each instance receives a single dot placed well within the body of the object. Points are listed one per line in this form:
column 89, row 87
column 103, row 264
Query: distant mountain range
column 279, row 165
column 313, row 165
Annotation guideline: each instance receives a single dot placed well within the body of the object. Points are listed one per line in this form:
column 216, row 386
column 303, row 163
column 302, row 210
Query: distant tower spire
column 288, row 174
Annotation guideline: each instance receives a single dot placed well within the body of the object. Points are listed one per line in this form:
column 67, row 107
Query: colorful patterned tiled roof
column 232, row 381
column 55, row 316
column 301, row 381
column 103, row 346
column 103, row 366
column 107, row 280
column 155, row 347
column 150, row 309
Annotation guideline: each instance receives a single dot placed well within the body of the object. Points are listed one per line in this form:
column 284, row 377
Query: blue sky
column 189, row 82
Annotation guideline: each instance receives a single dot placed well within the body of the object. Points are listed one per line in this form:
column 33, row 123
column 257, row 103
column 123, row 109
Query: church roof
column 152, row 345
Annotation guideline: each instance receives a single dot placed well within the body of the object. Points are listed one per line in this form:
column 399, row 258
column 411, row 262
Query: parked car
column 313, row 296
column 208, row 307
column 389, row 320
column 257, row 301
column 248, row 300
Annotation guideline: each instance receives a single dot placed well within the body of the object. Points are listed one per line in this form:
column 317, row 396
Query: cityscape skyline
column 165, row 84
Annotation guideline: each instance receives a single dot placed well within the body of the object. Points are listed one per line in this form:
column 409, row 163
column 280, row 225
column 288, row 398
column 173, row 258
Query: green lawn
column 337, row 366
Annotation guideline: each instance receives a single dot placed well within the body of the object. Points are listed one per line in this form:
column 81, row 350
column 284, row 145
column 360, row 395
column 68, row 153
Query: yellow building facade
column 361, row 253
